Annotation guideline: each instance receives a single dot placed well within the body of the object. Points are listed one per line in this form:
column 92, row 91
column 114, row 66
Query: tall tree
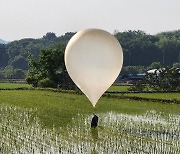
column 50, row 65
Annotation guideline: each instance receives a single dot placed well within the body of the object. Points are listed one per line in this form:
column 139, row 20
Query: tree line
column 143, row 49
column 14, row 55
column 140, row 50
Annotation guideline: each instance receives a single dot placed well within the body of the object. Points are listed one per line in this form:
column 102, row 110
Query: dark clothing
column 94, row 121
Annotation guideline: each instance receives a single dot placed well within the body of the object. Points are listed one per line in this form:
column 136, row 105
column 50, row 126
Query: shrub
column 137, row 86
column 46, row 83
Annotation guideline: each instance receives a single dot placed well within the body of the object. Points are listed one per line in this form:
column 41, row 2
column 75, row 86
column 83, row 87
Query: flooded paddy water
column 151, row 132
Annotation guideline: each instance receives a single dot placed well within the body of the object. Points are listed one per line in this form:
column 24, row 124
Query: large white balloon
column 93, row 59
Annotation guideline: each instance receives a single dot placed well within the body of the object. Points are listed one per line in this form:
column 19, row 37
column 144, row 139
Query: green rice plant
column 58, row 109
column 118, row 88
column 14, row 85
column 151, row 132
column 165, row 96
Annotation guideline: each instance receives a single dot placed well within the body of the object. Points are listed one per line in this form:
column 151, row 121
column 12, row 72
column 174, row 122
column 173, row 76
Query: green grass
column 58, row 109
column 167, row 96
column 40, row 121
column 14, row 85
column 118, row 88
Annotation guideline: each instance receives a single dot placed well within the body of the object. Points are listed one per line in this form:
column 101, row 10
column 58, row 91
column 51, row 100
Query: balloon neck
column 93, row 109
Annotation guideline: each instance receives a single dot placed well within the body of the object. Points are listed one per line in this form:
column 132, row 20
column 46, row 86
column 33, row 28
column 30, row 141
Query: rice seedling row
column 151, row 132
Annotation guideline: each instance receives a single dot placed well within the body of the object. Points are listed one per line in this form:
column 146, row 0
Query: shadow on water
column 94, row 134
column 94, row 151
column 95, row 137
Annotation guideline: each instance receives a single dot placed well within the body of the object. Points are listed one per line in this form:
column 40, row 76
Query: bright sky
column 34, row 18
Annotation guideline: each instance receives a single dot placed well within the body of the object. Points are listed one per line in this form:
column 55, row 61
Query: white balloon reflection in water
column 93, row 59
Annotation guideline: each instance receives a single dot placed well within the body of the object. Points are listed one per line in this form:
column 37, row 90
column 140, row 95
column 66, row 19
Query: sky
column 34, row 18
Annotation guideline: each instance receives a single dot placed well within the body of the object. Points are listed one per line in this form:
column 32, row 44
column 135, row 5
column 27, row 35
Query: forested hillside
column 140, row 49
column 143, row 49
column 17, row 51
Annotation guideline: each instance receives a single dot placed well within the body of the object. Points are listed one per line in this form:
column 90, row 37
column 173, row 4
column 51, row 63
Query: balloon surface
column 93, row 59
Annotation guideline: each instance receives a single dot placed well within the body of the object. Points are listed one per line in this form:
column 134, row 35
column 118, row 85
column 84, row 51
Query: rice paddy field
column 117, row 88
column 37, row 121
column 14, row 85
column 168, row 96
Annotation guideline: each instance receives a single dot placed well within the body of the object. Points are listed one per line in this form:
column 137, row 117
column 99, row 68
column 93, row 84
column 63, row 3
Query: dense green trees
column 49, row 70
column 20, row 62
column 140, row 49
column 10, row 73
column 155, row 65
column 17, row 51
column 165, row 79
column 3, row 56
column 143, row 49
column 170, row 49
column 176, row 65
column 133, row 70
column 50, row 36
